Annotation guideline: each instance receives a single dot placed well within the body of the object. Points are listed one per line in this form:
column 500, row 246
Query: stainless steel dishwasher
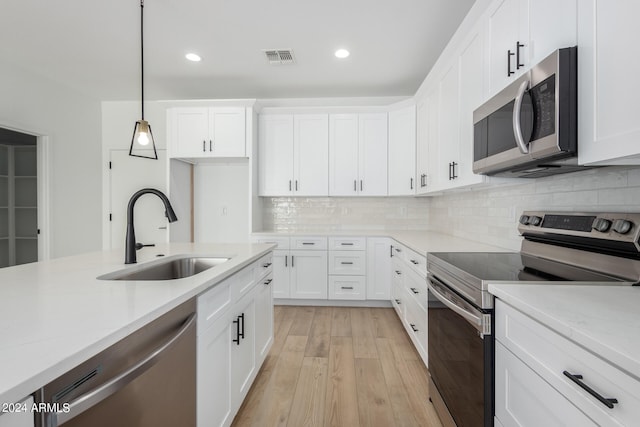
column 145, row 379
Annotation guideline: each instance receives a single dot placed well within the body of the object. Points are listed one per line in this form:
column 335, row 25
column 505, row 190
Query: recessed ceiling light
column 193, row 57
column 342, row 53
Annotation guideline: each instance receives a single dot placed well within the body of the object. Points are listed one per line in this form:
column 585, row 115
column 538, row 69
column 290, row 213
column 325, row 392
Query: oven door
column 461, row 357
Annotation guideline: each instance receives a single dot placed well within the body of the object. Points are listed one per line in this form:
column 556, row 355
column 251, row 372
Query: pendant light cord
column 142, row 56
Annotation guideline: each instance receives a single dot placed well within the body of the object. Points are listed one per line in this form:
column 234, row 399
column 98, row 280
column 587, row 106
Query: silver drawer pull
column 414, row 290
column 347, row 287
column 346, row 263
column 346, row 244
column 398, row 302
column 268, row 282
column 398, row 272
column 414, row 262
column 308, row 243
column 266, row 265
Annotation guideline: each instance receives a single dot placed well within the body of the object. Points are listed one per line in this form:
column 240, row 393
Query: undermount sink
column 168, row 269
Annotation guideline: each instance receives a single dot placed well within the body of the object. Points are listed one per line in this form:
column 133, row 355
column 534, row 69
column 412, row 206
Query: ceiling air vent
column 279, row 56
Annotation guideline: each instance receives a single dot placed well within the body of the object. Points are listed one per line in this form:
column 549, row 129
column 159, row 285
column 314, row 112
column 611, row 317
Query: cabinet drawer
column 550, row 354
column 347, row 262
column 213, row 303
column 347, row 287
column 347, row 243
column 517, row 386
column 416, row 323
column 242, row 282
column 263, row 266
column 416, row 287
column 281, row 241
column 416, row 261
column 312, row 243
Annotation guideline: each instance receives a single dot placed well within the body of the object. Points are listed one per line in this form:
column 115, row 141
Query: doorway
column 18, row 198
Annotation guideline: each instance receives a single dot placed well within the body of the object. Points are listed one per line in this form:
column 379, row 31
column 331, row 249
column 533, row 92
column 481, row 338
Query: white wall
column 293, row 214
column 491, row 215
column 34, row 104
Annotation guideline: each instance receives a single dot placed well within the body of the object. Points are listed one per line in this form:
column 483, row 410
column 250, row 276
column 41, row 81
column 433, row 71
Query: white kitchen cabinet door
column 378, row 268
column 518, row 387
column 343, row 154
column 190, row 132
column 275, row 158
column 608, row 122
column 227, row 132
column 471, row 61
column 308, row 274
column 372, row 154
column 281, row 280
column 214, row 406
column 422, row 145
column 243, row 352
column 264, row 317
column 507, row 26
column 402, row 151
column 431, row 181
column 550, row 31
column 449, row 121
column 311, row 154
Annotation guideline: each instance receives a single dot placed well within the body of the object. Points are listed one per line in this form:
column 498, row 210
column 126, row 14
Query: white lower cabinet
column 308, row 274
column 540, row 376
column 347, row 287
column 378, row 268
column 523, row 398
column 235, row 333
column 19, row 415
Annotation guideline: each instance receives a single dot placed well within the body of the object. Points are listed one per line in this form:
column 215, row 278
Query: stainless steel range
column 557, row 248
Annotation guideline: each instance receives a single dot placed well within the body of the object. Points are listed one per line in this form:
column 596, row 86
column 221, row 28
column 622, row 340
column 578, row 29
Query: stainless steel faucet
column 130, row 243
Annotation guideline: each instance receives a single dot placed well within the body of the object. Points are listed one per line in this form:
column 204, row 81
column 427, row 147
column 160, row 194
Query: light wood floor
column 338, row 366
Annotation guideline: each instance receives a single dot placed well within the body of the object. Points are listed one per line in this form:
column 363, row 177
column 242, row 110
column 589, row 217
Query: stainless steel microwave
column 529, row 129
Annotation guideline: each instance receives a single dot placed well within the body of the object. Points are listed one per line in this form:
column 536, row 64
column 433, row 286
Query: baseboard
column 332, row 303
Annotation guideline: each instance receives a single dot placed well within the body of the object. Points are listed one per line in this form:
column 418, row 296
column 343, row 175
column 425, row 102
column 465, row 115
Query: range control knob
column 602, row 225
column 622, row 226
column 535, row 220
column 524, row 219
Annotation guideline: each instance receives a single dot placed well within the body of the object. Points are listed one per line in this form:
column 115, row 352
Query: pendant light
column 142, row 142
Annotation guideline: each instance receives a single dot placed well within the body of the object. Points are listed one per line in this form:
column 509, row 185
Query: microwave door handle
column 517, row 130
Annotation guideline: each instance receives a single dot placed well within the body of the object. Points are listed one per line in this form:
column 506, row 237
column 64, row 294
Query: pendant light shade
column 142, row 143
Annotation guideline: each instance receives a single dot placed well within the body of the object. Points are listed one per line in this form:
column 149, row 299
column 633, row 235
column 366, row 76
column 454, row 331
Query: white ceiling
column 93, row 45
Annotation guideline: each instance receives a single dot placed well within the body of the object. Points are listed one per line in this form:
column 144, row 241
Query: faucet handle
column 142, row 245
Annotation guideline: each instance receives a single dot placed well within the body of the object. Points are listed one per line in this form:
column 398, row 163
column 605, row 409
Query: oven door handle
column 470, row 317
column 95, row 396
column 517, row 108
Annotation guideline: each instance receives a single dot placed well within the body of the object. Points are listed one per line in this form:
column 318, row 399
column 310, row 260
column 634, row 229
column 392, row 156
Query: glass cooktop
column 514, row 267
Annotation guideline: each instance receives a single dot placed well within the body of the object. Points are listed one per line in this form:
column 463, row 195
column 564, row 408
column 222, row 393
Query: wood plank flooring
column 339, row 366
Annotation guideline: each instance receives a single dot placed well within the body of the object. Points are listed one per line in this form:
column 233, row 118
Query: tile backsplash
column 490, row 215
column 485, row 215
column 299, row 214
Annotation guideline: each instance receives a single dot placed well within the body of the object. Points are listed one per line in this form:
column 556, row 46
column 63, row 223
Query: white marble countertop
column 55, row 314
column 603, row 319
column 418, row 240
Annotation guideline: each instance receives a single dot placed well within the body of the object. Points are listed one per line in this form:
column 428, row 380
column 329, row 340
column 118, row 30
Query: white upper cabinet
column 294, row 154
column 201, row 132
column 422, row 148
column 609, row 128
column 402, row 151
column 507, row 32
column 311, row 154
column 521, row 33
column 372, row 154
column 275, row 154
column 358, row 154
column 449, row 122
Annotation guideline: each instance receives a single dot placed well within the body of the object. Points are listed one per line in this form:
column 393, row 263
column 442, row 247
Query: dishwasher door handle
column 95, row 396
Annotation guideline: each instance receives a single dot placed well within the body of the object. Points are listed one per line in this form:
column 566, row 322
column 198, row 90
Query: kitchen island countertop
column 56, row 314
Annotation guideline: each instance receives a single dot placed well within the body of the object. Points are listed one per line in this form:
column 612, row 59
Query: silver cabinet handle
column 517, row 108
column 355, row 185
column 411, row 186
column 289, row 185
column 92, row 398
column 347, row 287
column 398, row 272
column 286, row 257
column 292, row 265
column 268, row 282
column 414, row 290
column 204, row 146
column 346, row 263
column 266, row 265
column 346, row 244
column 210, row 145
column 360, row 185
column 308, row 243
column 296, row 185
